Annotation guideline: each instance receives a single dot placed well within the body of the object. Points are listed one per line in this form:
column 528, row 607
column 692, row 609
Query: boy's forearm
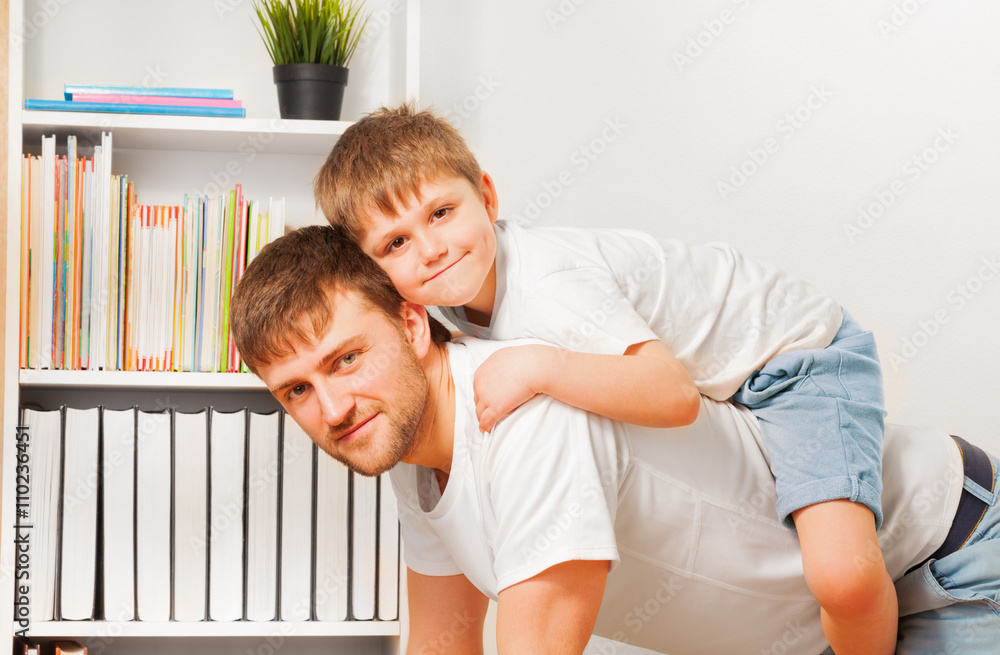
column 637, row 389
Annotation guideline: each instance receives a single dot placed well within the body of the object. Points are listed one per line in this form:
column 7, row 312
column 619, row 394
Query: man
column 576, row 524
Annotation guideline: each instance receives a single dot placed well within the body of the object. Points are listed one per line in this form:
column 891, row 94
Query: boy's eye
column 395, row 244
column 441, row 213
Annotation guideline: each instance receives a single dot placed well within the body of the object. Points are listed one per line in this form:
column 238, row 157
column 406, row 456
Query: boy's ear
column 489, row 191
column 418, row 329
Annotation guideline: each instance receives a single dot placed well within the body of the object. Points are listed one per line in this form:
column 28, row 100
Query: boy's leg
column 821, row 414
column 846, row 574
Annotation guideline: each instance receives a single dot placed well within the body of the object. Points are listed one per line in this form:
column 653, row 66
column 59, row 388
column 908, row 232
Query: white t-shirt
column 701, row 563
column 722, row 315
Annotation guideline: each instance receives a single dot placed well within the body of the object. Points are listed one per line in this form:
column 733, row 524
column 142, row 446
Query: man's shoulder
column 467, row 353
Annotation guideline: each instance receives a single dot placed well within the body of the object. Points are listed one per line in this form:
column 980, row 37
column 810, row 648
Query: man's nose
column 336, row 403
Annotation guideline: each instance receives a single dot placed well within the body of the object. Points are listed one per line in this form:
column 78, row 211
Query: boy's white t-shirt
column 600, row 290
column 701, row 563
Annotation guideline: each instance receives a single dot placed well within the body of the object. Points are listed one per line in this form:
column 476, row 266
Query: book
column 227, row 461
column 332, row 529
column 296, row 526
column 364, row 533
column 153, row 495
column 47, row 290
column 44, row 430
column 263, row 441
column 68, row 648
column 69, row 90
column 388, row 551
column 37, row 104
column 190, row 515
column 154, row 100
column 118, row 469
column 79, row 514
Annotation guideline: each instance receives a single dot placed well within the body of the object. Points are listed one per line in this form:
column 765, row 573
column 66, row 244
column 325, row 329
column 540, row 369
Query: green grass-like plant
column 310, row 31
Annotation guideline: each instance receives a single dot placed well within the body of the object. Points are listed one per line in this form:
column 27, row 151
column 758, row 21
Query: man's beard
column 380, row 452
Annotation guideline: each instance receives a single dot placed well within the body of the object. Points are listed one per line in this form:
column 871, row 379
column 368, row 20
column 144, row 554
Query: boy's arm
column 645, row 386
column 446, row 615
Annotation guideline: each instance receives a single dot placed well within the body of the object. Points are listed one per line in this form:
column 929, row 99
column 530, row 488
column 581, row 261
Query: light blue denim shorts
column 822, row 420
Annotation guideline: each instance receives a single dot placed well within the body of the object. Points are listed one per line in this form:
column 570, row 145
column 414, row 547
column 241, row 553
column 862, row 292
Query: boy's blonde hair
column 284, row 296
column 380, row 162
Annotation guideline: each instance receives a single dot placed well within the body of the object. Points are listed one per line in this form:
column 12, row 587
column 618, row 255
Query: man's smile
column 348, row 435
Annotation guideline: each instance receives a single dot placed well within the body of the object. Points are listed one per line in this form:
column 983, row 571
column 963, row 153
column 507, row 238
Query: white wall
column 634, row 114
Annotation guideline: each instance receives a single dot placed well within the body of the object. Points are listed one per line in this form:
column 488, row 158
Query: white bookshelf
column 85, row 629
column 188, row 133
column 197, row 142
column 140, row 380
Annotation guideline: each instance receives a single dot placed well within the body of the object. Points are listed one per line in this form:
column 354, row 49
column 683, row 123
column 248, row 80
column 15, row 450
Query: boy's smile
column 440, row 248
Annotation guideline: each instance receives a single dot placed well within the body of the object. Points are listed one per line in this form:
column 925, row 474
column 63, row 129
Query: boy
column 643, row 326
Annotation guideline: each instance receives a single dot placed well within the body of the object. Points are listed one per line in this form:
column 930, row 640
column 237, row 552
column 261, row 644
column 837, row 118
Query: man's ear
column 417, row 327
column 490, row 199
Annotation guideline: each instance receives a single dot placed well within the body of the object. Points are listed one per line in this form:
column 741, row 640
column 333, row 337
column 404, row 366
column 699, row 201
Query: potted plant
column 310, row 42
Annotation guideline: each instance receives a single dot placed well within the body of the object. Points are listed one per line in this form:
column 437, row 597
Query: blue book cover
column 118, row 108
column 70, row 89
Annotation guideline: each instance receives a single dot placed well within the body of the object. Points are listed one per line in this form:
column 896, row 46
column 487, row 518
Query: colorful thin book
column 155, row 100
column 119, row 108
column 70, row 90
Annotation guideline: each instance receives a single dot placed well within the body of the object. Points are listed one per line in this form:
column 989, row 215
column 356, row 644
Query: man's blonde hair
column 380, row 162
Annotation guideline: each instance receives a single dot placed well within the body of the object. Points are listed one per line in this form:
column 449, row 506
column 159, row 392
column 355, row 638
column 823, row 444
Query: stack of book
column 175, row 101
column 192, row 516
column 109, row 284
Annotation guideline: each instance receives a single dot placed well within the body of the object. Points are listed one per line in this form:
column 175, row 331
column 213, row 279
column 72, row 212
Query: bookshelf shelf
column 189, row 133
column 49, row 629
column 140, row 380
column 172, row 154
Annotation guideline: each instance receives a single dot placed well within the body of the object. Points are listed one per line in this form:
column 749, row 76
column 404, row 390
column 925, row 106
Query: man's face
column 439, row 250
column 359, row 392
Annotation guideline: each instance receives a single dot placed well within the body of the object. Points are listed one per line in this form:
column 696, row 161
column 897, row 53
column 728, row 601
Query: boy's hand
column 506, row 380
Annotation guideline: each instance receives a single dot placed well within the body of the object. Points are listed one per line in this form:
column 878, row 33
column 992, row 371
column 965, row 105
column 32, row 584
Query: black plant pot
column 310, row 91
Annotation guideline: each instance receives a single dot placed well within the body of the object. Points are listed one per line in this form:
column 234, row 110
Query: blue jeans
column 822, row 419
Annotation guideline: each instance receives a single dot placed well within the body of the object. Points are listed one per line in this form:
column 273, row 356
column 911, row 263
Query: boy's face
column 440, row 249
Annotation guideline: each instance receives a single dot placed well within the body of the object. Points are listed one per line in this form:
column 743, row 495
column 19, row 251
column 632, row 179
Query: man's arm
column 554, row 612
column 446, row 615
column 645, row 386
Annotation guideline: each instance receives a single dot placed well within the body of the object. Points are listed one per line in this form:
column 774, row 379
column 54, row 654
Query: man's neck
column 436, row 441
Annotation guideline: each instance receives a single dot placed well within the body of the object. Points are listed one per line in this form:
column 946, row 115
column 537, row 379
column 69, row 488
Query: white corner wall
column 853, row 143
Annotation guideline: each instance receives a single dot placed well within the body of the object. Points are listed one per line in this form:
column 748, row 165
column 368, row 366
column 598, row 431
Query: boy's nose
column 431, row 248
